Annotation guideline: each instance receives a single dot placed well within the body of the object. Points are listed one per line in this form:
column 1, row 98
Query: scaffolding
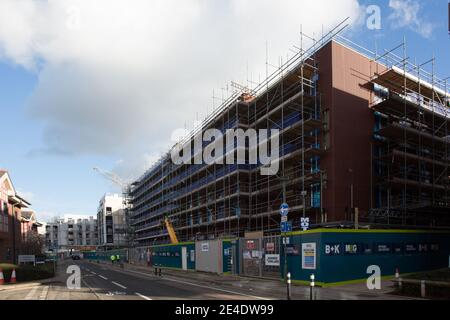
column 209, row 201
column 218, row 201
column 411, row 177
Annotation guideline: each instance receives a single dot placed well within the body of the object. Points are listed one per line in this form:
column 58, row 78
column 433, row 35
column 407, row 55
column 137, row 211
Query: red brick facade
column 10, row 220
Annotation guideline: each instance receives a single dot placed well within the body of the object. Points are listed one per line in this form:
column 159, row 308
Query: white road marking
column 119, row 285
column 44, row 293
column 104, row 278
column 142, row 296
column 206, row 287
column 223, row 290
column 93, row 273
column 92, row 290
column 31, row 294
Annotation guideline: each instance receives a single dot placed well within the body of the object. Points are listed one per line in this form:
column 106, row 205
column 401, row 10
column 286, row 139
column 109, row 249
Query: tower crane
column 112, row 176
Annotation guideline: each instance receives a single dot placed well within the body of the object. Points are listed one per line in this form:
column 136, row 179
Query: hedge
column 28, row 272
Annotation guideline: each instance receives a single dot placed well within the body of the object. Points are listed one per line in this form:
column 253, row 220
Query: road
column 100, row 282
column 109, row 283
column 104, row 282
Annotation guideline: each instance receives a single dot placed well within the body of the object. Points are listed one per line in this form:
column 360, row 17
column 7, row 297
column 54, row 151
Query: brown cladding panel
column 343, row 72
column 324, row 58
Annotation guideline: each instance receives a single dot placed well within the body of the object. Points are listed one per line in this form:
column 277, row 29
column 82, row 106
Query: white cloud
column 77, row 216
column 27, row 195
column 406, row 13
column 117, row 77
column 45, row 216
column 48, row 216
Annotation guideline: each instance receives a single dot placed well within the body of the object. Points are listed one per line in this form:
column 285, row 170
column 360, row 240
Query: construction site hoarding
column 209, row 256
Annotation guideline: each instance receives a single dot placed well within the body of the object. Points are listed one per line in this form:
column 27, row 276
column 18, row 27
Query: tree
column 33, row 243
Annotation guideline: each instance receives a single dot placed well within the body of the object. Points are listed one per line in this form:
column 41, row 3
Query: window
column 210, row 218
column 6, row 222
column 315, row 164
column 315, row 192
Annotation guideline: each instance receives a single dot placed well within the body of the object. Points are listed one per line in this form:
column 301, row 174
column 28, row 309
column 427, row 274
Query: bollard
column 399, row 280
column 156, row 270
column 160, row 271
column 288, row 283
column 311, row 287
column 422, row 289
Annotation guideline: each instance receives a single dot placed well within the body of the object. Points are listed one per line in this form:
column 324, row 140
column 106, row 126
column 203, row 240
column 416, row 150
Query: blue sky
column 110, row 97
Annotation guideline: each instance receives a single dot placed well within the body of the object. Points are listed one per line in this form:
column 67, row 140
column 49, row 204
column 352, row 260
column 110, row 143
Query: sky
column 105, row 83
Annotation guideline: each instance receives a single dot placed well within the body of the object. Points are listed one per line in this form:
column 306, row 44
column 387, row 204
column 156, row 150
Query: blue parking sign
column 286, row 226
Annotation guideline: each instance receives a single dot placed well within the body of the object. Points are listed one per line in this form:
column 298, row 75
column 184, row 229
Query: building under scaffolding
column 326, row 102
column 411, row 144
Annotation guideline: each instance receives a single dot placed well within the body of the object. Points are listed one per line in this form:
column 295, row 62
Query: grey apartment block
column 68, row 233
column 111, row 222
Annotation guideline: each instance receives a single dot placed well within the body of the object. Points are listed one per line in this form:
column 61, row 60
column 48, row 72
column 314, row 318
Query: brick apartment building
column 30, row 225
column 11, row 205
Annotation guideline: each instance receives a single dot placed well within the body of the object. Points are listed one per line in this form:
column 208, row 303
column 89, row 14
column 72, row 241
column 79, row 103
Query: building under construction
column 363, row 141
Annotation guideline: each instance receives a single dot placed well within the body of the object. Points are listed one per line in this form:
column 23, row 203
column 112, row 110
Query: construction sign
column 309, row 256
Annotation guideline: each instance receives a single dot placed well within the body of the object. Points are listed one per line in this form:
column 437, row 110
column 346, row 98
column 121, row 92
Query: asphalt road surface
column 107, row 283
column 103, row 282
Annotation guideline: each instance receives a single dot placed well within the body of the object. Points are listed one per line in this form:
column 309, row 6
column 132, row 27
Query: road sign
column 284, row 218
column 27, row 259
column 284, row 209
column 270, row 247
column 272, row 260
column 304, row 223
column 286, row 227
column 251, row 245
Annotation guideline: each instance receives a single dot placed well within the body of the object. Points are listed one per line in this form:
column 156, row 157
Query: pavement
column 48, row 289
column 103, row 281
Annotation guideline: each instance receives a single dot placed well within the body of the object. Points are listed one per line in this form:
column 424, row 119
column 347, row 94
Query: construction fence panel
column 141, row 256
column 209, row 256
column 271, row 256
column 106, row 255
column 250, row 253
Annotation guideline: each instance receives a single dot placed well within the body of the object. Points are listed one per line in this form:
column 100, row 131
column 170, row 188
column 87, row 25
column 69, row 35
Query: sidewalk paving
column 47, row 289
column 30, row 284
